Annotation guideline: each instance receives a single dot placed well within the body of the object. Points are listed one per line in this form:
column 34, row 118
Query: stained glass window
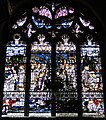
column 15, row 78
column 48, row 48
column 92, row 86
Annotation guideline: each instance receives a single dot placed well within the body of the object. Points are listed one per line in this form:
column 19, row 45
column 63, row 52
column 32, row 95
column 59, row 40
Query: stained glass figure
column 77, row 30
column 66, row 71
column 29, row 30
column 40, row 74
column 92, row 86
column 15, row 78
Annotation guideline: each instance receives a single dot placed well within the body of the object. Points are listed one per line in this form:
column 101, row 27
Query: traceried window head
column 47, row 47
column 55, row 18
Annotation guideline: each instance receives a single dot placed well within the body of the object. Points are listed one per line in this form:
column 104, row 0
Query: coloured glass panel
column 66, row 73
column 15, row 76
column 92, row 85
column 39, row 102
column 40, row 75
